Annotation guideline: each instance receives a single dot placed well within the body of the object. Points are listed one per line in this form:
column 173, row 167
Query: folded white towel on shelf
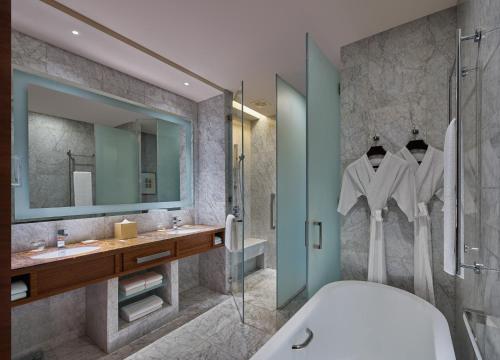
column 139, row 282
column 18, row 287
column 152, row 278
column 18, row 296
column 141, row 308
column 132, row 285
column 450, row 198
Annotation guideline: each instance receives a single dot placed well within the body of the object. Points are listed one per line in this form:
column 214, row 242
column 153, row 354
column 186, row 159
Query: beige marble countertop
column 24, row 259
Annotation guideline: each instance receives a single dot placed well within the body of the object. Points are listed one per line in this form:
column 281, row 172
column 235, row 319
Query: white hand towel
column 82, row 188
column 141, row 308
column 18, row 296
column 152, row 278
column 228, row 239
column 18, row 287
column 450, row 198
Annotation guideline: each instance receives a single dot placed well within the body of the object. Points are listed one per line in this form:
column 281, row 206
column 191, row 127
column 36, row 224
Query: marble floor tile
column 77, row 349
column 240, row 340
column 200, row 297
column 208, row 327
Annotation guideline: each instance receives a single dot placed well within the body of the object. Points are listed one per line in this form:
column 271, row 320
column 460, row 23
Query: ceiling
column 225, row 41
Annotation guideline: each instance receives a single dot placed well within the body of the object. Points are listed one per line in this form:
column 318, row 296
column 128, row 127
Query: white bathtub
column 357, row 320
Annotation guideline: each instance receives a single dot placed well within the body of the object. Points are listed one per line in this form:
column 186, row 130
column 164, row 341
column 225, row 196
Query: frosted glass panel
column 168, row 175
column 117, row 165
column 323, row 172
column 291, row 191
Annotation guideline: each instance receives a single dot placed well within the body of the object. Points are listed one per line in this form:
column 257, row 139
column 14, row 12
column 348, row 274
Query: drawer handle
column 142, row 260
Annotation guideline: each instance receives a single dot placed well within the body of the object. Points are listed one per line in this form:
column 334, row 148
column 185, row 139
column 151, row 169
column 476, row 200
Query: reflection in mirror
column 84, row 152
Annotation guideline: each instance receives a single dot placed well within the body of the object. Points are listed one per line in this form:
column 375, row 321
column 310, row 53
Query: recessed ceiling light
column 186, row 84
column 75, row 32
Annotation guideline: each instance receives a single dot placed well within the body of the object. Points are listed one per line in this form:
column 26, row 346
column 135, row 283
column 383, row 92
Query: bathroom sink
column 182, row 231
column 65, row 252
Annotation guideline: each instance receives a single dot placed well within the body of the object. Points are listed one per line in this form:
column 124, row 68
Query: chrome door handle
column 310, row 336
column 273, row 200
column 320, row 245
column 144, row 259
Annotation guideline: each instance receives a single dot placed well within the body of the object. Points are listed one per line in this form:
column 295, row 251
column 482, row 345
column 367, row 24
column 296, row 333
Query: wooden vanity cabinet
column 55, row 277
column 150, row 255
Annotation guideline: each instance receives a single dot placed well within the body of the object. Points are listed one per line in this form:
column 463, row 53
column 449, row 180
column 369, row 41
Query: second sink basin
column 65, row 252
column 183, row 231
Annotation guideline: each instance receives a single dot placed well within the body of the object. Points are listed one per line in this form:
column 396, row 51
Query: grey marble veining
column 189, row 273
column 39, row 326
column 210, row 195
column 263, row 184
column 49, row 140
column 391, row 82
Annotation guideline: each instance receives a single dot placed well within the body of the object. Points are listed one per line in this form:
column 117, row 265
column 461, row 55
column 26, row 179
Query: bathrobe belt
column 377, row 269
column 424, row 286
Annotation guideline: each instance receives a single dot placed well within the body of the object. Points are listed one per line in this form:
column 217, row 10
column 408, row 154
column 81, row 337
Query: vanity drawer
column 194, row 244
column 73, row 275
column 152, row 254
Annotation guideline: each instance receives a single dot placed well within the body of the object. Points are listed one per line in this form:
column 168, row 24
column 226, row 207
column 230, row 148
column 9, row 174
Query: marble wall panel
column 391, row 82
column 40, row 326
column 263, row 184
column 49, row 140
column 211, row 193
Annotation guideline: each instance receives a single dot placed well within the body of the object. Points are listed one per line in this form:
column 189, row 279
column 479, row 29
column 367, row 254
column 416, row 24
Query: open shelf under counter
column 123, row 298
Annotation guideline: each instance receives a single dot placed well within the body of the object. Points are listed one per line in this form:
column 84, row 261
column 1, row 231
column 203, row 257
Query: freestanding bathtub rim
column 442, row 338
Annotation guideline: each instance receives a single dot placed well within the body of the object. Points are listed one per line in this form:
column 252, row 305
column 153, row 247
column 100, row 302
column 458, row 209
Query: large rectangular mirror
column 81, row 152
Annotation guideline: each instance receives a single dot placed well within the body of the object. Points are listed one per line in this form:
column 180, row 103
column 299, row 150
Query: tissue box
column 125, row 230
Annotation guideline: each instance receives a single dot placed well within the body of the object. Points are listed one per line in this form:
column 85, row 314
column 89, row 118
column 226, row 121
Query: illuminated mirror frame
column 21, row 79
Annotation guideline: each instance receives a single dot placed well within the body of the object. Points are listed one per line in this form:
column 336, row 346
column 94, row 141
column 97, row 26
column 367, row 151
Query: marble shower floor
column 208, row 327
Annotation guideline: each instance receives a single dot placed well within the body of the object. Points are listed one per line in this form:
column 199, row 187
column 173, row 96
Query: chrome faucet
column 175, row 222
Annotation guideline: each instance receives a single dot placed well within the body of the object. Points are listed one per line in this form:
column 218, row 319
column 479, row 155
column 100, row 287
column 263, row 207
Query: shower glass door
column 291, row 192
column 323, row 169
column 237, row 252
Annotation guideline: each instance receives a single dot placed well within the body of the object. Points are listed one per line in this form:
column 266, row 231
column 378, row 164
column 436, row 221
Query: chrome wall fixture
column 460, row 72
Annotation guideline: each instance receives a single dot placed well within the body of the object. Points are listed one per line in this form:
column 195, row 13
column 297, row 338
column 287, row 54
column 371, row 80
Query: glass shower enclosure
column 237, row 208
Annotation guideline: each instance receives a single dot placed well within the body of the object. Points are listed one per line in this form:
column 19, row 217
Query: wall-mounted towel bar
column 478, row 268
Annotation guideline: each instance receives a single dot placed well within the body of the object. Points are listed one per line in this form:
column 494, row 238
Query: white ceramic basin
column 65, row 252
column 183, row 231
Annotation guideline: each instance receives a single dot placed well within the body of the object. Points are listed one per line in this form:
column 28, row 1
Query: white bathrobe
column 392, row 179
column 428, row 182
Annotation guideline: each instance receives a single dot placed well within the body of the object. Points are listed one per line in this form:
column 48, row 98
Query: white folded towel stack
column 152, row 278
column 18, row 290
column 138, row 309
column 140, row 282
column 132, row 285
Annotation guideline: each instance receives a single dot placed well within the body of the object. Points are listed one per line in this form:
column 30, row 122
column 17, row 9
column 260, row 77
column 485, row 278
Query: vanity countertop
column 23, row 260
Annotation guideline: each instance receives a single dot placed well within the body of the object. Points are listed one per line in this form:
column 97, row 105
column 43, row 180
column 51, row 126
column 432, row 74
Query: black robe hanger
column 417, row 145
column 376, row 150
